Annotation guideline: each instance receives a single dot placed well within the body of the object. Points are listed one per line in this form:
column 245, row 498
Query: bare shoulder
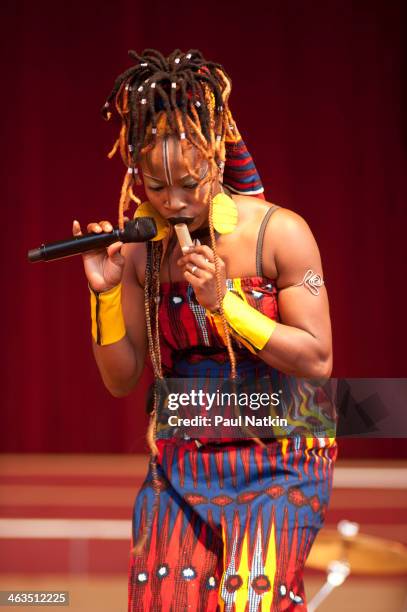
column 290, row 247
column 251, row 210
column 287, row 224
column 284, row 224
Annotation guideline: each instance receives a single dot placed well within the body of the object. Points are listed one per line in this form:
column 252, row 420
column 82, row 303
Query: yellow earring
column 146, row 210
column 225, row 213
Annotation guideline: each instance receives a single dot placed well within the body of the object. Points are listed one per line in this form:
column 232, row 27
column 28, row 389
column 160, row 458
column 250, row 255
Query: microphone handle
column 73, row 246
column 138, row 230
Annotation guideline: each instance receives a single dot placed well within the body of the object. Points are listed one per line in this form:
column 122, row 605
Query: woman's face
column 173, row 192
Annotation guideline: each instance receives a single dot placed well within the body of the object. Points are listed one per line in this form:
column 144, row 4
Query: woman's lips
column 186, row 220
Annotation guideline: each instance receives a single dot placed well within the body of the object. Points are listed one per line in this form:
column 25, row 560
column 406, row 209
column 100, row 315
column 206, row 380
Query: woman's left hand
column 198, row 265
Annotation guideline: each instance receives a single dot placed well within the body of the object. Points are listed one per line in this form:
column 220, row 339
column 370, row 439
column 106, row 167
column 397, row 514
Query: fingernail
column 197, row 242
column 185, row 249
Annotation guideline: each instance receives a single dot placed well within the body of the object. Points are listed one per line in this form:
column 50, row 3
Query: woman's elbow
column 123, row 389
column 119, row 392
column 322, row 367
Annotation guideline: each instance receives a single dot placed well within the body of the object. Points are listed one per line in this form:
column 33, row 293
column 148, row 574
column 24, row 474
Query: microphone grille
column 140, row 229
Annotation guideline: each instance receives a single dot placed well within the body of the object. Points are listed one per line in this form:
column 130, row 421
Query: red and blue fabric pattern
column 186, row 330
column 234, row 526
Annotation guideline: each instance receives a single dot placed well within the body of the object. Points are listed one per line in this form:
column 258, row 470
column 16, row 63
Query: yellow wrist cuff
column 246, row 321
column 107, row 317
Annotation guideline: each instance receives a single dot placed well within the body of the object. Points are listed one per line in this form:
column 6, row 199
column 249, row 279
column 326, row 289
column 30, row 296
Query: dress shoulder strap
column 260, row 239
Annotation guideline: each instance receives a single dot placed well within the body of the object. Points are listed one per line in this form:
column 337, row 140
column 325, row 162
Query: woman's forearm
column 288, row 348
column 297, row 352
column 119, row 365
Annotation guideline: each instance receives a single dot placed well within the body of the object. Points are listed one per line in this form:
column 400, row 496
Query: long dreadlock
column 186, row 95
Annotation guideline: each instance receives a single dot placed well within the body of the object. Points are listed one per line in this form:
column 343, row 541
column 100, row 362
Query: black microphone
column 140, row 229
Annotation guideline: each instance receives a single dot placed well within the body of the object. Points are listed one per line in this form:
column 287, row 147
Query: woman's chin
column 198, row 223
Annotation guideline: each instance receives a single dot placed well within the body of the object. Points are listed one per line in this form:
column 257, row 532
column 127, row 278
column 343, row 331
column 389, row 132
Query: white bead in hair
column 218, row 137
column 144, row 101
column 154, row 130
column 153, row 85
column 173, row 85
column 177, row 60
column 140, row 88
column 131, row 148
column 144, row 64
column 182, row 135
column 197, row 103
column 188, row 55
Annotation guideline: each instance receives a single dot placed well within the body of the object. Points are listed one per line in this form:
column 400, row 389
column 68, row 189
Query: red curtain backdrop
column 319, row 96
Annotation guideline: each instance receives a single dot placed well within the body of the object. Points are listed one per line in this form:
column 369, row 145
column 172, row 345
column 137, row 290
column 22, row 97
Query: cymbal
column 365, row 554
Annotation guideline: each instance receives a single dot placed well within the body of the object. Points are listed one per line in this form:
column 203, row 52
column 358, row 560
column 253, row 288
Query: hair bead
column 132, row 170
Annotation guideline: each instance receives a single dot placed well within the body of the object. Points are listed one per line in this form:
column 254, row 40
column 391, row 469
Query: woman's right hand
column 103, row 267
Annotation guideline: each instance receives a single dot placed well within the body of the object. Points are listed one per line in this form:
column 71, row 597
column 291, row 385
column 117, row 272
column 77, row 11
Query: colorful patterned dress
column 235, row 521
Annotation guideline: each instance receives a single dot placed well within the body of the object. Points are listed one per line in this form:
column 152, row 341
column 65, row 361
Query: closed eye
column 191, row 186
column 156, row 188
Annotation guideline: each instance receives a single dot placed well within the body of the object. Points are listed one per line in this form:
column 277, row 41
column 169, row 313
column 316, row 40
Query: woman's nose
column 174, row 203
